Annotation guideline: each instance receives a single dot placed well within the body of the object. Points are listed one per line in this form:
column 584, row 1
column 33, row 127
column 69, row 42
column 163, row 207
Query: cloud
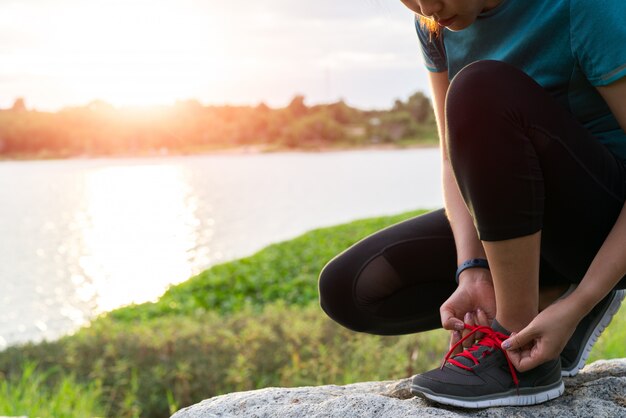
column 230, row 46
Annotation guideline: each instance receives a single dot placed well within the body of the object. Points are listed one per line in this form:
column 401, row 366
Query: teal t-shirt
column 568, row 46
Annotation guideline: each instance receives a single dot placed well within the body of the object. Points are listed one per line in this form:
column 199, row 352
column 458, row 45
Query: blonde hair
column 429, row 24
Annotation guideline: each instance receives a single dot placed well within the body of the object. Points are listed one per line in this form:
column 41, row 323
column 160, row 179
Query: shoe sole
column 510, row 398
column 604, row 322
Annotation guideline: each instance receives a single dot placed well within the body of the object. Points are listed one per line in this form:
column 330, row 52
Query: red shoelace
column 491, row 339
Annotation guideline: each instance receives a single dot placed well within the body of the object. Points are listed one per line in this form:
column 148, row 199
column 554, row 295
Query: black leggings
column 523, row 164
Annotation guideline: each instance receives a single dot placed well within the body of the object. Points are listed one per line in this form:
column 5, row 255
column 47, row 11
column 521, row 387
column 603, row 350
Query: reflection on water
column 81, row 237
column 138, row 232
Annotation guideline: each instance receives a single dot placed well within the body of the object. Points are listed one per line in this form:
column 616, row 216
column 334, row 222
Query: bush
column 145, row 368
column 314, row 130
column 611, row 342
column 32, row 394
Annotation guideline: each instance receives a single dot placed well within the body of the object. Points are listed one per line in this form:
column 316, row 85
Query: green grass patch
column 611, row 342
column 32, row 393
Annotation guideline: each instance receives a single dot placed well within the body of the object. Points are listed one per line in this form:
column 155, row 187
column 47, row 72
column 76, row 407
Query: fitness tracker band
column 471, row 263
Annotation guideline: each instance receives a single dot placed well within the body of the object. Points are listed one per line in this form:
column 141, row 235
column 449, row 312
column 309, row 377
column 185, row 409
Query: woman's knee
column 335, row 284
column 477, row 94
column 353, row 285
column 484, row 112
column 482, row 79
column 366, row 286
column 328, row 283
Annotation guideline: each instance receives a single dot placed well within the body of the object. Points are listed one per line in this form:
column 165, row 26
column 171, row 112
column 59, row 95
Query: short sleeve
column 598, row 33
column 433, row 49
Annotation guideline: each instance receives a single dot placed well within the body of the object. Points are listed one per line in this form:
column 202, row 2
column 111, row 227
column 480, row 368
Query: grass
column 31, row 395
column 146, row 367
column 611, row 342
column 241, row 325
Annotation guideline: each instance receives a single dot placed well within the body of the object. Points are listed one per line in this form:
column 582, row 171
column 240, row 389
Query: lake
column 81, row 237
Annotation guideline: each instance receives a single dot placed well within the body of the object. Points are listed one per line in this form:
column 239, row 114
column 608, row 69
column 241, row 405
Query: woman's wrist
column 472, row 263
column 474, row 275
column 578, row 304
column 583, row 301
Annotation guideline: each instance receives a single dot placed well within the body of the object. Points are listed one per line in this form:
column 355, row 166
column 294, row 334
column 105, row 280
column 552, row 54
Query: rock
column 599, row 390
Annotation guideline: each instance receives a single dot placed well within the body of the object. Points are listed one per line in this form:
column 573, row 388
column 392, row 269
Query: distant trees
column 19, row 105
column 316, row 129
column 404, row 120
column 101, row 129
column 297, row 108
column 419, row 107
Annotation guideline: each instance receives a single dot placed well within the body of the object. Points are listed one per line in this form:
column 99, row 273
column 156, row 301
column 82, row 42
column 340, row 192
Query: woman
column 533, row 144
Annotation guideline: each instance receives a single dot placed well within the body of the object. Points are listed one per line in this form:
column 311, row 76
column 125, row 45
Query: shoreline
column 239, row 150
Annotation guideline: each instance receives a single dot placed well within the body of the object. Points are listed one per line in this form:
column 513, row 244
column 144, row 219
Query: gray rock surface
column 599, row 390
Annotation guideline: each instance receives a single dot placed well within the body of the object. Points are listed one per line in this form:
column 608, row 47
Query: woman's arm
column 609, row 265
column 475, row 295
column 545, row 337
column 467, row 242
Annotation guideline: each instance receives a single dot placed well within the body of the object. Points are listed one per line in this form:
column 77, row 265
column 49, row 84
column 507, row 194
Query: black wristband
column 472, row 263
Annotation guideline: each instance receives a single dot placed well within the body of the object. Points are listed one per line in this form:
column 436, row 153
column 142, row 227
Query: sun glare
column 123, row 267
column 135, row 52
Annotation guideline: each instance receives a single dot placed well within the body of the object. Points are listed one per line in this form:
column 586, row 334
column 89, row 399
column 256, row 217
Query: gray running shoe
column 483, row 376
column 577, row 349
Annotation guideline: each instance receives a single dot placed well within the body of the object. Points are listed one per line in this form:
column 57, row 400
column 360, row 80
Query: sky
column 57, row 53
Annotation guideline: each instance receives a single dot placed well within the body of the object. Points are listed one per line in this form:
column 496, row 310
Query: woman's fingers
column 526, row 350
column 448, row 320
column 525, row 359
column 481, row 319
column 455, row 337
column 520, row 340
column 473, row 319
column 470, row 319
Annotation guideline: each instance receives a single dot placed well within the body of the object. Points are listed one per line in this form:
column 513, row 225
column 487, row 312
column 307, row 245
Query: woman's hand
column 473, row 303
column 544, row 338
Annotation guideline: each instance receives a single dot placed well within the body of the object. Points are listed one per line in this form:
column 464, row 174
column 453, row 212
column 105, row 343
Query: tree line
column 99, row 129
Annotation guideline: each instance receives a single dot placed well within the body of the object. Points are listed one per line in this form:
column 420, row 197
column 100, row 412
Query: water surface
column 79, row 237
